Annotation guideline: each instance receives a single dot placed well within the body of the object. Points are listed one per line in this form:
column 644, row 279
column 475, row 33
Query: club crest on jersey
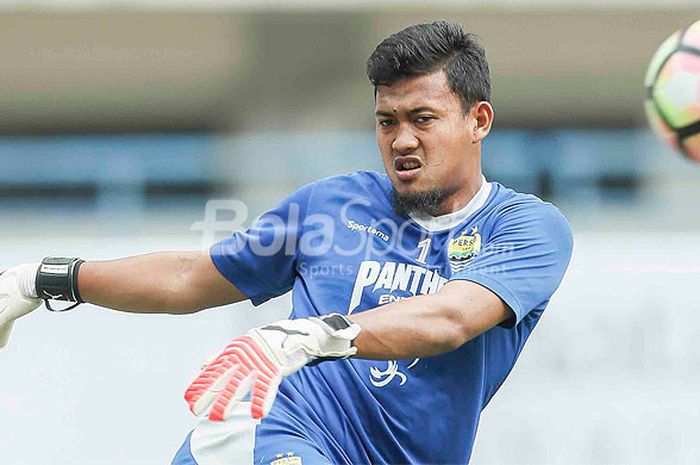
column 463, row 248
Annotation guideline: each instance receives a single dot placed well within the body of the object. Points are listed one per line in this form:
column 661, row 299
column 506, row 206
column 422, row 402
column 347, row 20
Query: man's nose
column 405, row 141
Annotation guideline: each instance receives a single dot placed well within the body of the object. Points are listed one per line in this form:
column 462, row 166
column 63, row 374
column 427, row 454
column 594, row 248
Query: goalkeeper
column 438, row 279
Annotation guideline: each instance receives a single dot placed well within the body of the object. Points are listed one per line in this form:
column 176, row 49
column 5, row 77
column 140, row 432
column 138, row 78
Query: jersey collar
column 450, row 220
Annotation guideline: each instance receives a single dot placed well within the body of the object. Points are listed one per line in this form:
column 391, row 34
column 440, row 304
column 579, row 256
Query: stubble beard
column 420, row 204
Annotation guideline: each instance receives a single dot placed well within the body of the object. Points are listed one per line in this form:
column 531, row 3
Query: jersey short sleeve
column 261, row 261
column 525, row 257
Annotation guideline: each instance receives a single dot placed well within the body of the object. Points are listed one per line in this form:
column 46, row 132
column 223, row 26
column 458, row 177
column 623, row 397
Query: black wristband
column 57, row 279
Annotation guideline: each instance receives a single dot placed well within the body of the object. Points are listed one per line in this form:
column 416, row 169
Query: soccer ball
column 673, row 91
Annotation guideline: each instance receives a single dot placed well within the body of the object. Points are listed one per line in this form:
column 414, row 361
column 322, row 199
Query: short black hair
column 424, row 48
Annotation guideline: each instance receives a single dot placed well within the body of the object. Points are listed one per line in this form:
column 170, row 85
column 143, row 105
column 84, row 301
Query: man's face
column 426, row 140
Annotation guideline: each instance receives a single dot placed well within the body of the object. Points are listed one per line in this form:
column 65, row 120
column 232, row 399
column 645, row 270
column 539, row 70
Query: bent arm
column 428, row 325
column 164, row 282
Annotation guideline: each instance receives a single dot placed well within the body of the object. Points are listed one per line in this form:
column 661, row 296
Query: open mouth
column 407, row 167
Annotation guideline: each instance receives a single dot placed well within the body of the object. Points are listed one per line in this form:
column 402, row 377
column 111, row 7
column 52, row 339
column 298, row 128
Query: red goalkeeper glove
column 257, row 362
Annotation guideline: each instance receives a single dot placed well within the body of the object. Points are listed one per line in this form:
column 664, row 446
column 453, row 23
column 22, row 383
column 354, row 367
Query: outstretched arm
column 164, row 282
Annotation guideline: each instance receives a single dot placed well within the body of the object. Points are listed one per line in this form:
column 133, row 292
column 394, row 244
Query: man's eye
column 423, row 119
column 385, row 122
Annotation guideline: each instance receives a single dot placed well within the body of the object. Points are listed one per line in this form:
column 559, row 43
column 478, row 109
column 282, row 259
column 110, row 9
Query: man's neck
column 462, row 197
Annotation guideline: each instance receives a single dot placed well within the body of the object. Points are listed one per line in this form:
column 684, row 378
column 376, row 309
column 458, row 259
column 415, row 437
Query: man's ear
column 482, row 119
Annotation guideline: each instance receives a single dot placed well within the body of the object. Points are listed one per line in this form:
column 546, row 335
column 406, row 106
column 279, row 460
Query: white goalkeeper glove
column 17, row 297
column 260, row 359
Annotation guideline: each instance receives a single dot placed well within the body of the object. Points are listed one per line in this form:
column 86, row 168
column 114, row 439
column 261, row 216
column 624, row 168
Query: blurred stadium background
column 120, row 119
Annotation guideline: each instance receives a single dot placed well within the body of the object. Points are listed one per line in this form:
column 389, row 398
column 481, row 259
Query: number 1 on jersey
column 424, row 247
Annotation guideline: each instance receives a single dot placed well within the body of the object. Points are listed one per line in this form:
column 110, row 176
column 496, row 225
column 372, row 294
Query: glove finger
column 236, row 389
column 204, row 389
column 253, row 357
column 204, row 400
column 264, row 394
column 267, row 379
column 253, row 363
column 5, row 333
column 210, row 372
column 255, row 366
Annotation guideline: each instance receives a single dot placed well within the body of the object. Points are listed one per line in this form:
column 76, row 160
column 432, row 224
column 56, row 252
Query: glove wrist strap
column 340, row 326
column 57, row 279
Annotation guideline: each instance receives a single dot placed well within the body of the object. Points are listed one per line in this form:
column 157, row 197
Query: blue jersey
column 340, row 247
